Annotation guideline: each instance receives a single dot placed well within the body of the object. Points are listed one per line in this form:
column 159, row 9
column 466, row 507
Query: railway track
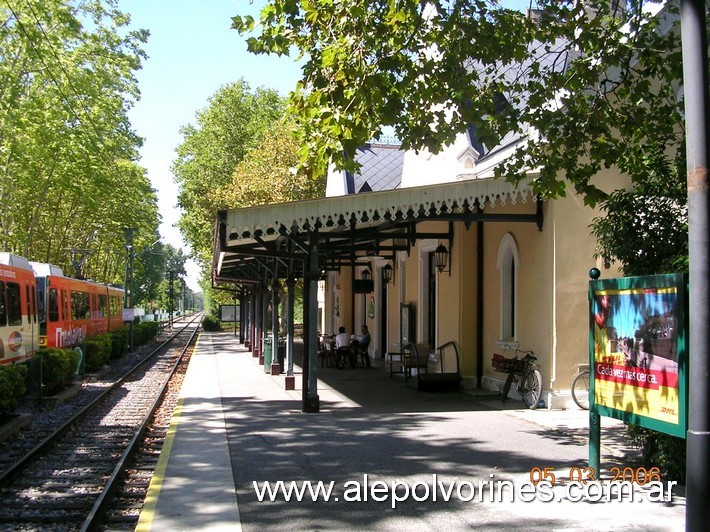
column 67, row 480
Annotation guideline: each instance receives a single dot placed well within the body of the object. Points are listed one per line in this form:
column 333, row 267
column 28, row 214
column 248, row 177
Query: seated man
column 361, row 343
column 342, row 346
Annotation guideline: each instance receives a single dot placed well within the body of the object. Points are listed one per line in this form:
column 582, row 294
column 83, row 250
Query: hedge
column 119, row 342
column 97, row 351
column 12, row 386
column 210, row 323
column 58, row 369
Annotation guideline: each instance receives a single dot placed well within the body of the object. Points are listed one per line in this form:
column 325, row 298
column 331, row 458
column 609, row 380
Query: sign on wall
column 638, row 351
column 228, row 312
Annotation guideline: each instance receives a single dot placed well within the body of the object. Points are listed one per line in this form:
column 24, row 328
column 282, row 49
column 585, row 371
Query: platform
column 237, row 426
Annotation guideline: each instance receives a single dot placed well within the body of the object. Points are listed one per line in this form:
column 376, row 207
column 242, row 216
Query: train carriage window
column 103, row 305
column 65, row 305
column 14, row 304
column 53, row 305
column 79, row 305
column 35, row 310
column 29, row 303
column 3, row 305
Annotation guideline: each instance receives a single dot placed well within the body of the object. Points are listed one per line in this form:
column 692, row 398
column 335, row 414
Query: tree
column 233, row 123
column 270, row 173
column 646, row 229
column 593, row 85
column 68, row 176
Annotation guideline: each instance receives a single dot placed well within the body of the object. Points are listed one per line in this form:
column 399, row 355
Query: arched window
column 508, row 262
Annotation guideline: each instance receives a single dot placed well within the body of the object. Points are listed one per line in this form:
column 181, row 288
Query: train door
column 14, row 337
column 31, row 319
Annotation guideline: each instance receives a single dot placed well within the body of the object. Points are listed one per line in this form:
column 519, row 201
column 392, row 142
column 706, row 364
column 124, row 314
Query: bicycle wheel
column 580, row 390
column 532, row 389
column 506, row 386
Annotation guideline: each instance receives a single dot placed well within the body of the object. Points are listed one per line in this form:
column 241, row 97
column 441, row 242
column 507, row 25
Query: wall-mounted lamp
column 387, row 271
column 366, row 274
column 441, row 258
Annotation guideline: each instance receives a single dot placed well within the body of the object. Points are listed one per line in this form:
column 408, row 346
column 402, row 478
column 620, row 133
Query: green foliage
column 58, row 369
column 210, row 323
column 646, row 229
column 97, row 351
column 660, row 450
column 431, row 69
column 119, row 342
column 66, row 144
column 233, row 123
column 12, row 386
column 269, row 173
column 145, row 331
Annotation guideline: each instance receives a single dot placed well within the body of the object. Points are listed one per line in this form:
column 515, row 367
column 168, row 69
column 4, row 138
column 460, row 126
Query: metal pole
column 171, row 295
column 234, row 297
column 128, row 300
column 290, row 378
column 306, row 336
column 264, row 321
column 695, row 81
column 275, row 366
column 312, row 401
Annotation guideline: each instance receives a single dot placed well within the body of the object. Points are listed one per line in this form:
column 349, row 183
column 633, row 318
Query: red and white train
column 40, row 307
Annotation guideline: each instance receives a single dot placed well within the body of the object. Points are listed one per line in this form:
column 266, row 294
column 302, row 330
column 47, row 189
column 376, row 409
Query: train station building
column 448, row 254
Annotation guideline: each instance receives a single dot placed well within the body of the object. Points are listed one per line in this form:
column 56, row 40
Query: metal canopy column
column 312, row 403
column 275, row 366
column 264, row 294
column 290, row 378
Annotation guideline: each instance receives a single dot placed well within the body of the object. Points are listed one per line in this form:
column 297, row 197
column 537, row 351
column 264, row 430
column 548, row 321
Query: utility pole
column 128, row 283
column 171, row 296
column 697, row 121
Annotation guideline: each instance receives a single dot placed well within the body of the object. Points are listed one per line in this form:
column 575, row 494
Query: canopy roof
column 254, row 243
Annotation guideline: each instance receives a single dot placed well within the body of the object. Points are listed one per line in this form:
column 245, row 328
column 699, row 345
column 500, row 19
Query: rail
column 12, row 471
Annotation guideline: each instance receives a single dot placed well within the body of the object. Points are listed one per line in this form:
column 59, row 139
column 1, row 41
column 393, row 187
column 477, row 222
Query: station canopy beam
column 354, row 228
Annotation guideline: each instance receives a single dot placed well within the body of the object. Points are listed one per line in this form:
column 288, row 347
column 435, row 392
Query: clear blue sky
column 192, row 52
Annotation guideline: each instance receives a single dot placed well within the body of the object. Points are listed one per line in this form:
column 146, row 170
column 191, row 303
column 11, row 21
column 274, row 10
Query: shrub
column 210, row 323
column 96, row 353
column 660, row 450
column 119, row 342
column 12, row 386
column 145, row 331
column 58, row 369
column 149, row 330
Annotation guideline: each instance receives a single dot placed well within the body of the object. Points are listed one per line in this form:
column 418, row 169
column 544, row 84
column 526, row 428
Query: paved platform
column 237, row 427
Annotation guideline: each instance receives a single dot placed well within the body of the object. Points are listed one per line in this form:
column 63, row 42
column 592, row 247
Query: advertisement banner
column 638, row 351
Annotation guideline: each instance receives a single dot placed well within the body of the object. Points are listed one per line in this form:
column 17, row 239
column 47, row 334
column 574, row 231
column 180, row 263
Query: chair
column 416, row 356
column 326, row 351
column 343, row 355
column 360, row 348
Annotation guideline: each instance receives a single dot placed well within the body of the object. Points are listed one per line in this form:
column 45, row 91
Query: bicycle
column 580, row 386
column 530, row 383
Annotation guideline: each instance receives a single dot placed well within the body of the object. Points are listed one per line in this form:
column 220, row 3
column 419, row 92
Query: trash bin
column 267, row 355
